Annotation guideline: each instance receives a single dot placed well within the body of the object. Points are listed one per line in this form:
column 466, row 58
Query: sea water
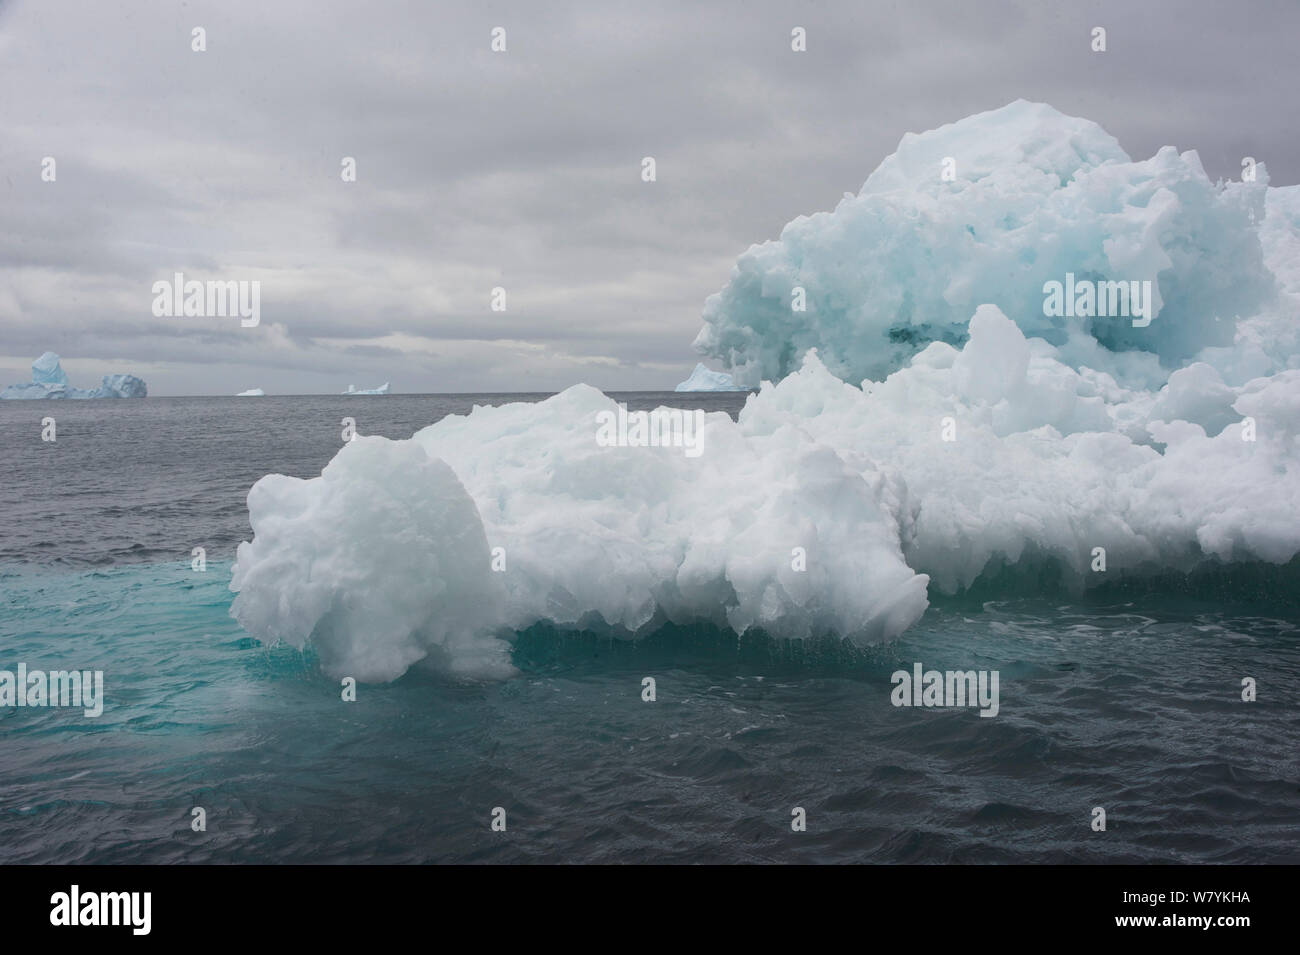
column 1128, row 699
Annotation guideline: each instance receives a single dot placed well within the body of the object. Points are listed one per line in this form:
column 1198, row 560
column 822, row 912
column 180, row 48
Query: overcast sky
column 519, row 169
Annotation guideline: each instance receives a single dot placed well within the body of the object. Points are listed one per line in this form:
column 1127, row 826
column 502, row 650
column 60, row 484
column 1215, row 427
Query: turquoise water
column 1125, row 699
column 1134, row 711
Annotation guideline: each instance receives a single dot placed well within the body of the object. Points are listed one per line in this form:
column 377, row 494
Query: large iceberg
column 50, row 381
column 702, row 379
column 354, row 390
column 959, row 451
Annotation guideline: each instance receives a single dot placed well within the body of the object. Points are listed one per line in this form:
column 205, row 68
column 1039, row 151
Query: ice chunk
column 381, row 390
column 702, row 379
column 623, row 536
column 1281, row 233
column 251, row 393
column 121, row 386
column 776, row 532
column 381, row 561
column 987, row 211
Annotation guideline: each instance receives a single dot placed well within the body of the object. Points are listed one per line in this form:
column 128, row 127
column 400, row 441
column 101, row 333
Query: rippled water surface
column 1126, row 700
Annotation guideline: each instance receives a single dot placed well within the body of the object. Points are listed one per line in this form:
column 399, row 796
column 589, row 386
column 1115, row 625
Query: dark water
column 148, row 480
column 1126, row 700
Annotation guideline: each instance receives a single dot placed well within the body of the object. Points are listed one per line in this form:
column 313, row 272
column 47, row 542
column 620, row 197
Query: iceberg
column 120, row 386
column 381, row 390
column 252, row 393
column 50, row 381
column 702, row 379
column 892, row 451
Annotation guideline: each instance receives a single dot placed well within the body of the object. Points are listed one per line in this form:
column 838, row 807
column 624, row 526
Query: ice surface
column 46, row 370
column 50, row 381
column 30, row 389
column 1045, row 462
column 617, row 538
column 1048, row 463
column 121, row 386
column 396, row 533
column 381, row 561
column 929, row 426
column 252, row 393
column 381, row 390
column 861, row 478
column 1035, row 195
column 702, row 379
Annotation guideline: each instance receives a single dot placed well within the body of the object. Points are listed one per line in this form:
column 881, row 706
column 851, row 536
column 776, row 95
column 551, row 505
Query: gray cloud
column 519, row 169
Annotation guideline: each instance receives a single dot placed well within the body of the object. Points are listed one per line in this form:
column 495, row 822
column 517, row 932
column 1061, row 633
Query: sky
column 519, row 169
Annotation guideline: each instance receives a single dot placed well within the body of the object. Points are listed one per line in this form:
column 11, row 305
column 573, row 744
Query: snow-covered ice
column 381, row 390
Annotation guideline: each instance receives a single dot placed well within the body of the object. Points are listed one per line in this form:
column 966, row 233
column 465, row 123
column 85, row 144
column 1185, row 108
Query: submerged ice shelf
column 930, row 424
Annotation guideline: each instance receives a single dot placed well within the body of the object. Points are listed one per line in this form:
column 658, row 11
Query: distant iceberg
column 115, row 386
column 50, row 381
column 381, row 390
column 702, row 379
column 252, row 393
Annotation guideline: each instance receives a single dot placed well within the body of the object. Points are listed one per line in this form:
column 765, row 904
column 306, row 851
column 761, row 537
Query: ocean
column 1126, row 698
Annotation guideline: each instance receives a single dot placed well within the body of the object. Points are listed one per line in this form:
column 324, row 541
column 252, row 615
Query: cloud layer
column 519, row 169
